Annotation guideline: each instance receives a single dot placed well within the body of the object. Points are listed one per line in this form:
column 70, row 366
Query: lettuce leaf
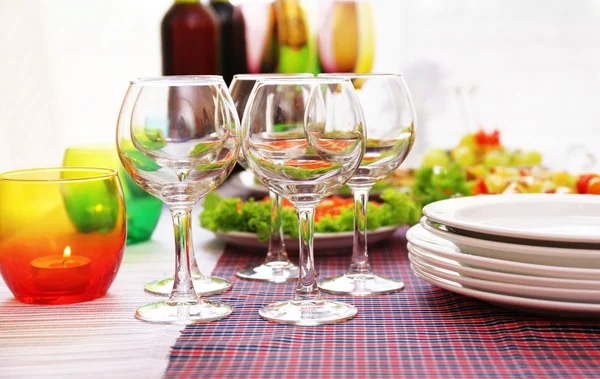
column 225, row 215
column 433, row 184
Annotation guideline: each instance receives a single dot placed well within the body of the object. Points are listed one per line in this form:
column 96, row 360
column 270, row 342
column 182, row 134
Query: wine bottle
column 233, row 39
column 296, row 37
column 346, row 36
column 190, row 46
column 190, row 40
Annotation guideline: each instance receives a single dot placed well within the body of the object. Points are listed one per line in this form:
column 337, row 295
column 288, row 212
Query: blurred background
column 530, row 69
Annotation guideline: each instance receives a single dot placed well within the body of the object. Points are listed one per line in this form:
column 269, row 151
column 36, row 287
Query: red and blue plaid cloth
column 423, row 331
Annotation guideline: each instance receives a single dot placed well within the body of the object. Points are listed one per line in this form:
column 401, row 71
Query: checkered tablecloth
column 423, row 331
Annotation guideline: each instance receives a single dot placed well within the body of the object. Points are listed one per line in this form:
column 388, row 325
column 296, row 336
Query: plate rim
column 517, row 289
column 444, row 212
column 381, row 230
column 540, row 304
column 497, row 245
column 501, row 276
column 525, row 268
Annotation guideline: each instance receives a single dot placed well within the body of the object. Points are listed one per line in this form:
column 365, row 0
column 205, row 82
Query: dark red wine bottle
column 190, row 40
column 233, row 39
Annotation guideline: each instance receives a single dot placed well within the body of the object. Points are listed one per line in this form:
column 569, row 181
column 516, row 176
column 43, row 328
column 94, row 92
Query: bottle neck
column 219, row 1
column 187, row 1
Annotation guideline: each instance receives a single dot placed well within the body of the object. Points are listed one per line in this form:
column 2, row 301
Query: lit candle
column 61, row 272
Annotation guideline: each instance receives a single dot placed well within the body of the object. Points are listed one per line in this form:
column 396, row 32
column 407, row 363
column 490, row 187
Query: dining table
column 423, row 331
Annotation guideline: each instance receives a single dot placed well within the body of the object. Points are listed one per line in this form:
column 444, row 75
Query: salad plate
column 558, row 218
column 512, row 289
column 499, row 276
column 426, row 241
column 547, row 307
column 543, row 255
column 324, row 242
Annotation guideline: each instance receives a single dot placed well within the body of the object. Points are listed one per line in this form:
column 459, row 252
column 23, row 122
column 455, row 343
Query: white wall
column 65, row 68
column 536, row 64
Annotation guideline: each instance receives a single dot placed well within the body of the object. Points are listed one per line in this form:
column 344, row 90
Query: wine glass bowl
column 304, row 138
column 305, row 163
column 185, row 157
column 178, row 139
column 390, row 122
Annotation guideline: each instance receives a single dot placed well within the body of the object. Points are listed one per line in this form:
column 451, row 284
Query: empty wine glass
column 312, row 157
column 390, row 124
column 204, row 285
column 276, row 267
column 177, row 138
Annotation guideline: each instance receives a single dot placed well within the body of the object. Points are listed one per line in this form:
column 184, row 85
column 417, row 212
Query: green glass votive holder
column 143, row 209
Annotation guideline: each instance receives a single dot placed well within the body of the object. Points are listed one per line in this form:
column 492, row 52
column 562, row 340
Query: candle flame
column 67, row 252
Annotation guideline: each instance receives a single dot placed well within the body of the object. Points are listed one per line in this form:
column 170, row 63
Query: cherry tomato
column 483, row 138
column 583, row 182
column 593, row 187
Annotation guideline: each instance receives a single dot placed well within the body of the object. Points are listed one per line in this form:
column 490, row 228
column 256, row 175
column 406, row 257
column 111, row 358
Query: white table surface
column 101, row 338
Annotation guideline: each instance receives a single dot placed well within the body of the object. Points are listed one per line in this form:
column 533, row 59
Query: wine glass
column 204, row 285
column 180, row 159
column 390, row 123
column 276, row 267
column 312, row 157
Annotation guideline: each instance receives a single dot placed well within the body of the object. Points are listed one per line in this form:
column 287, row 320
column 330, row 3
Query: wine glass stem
column 307, row 282
column 360, row 257
column 196, row 274
column 276, row 251
column 183, row 288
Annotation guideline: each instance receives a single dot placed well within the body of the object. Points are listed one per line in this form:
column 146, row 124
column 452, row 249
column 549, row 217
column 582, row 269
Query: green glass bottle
column 297, row 37
column 143, row 209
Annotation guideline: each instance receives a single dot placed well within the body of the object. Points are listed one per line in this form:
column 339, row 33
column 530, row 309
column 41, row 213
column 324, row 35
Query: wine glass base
column 308, row 312
column 204, row 286
column 183, row 314
column 360, row 285
column 275, row 272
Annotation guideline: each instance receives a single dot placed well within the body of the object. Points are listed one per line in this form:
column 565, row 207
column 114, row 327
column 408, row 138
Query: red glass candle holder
column 62, row 233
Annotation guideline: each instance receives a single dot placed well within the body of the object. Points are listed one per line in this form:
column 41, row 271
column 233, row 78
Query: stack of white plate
column 538, row 253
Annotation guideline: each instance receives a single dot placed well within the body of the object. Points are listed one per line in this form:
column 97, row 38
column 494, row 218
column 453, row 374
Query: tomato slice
column 332, row 205
column 310, row 165
column 480, row 188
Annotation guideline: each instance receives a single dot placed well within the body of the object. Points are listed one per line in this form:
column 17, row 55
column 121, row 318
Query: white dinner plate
column 498, row 276
column 512, row 289
column 547, row 307
column 547, row 217
column 543, row 255
column 432, row 244
column 245, row 179
column 323, row 241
